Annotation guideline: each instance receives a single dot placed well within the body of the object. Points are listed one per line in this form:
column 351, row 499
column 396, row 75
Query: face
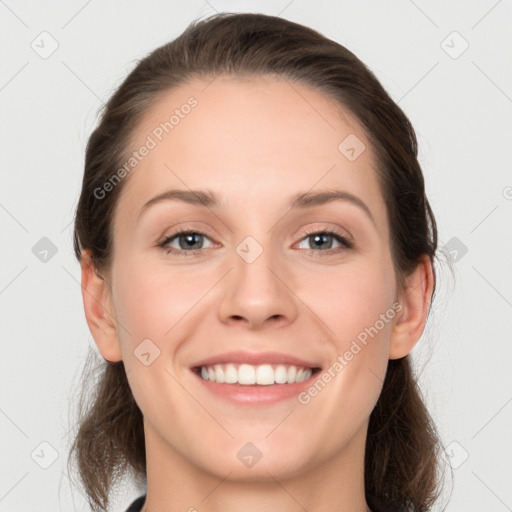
column 268, row 286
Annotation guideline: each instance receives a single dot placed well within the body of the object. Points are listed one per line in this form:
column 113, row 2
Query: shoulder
column 137, row 505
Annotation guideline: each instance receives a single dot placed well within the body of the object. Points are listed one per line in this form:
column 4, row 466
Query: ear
column 415, row 299
column 99, row 310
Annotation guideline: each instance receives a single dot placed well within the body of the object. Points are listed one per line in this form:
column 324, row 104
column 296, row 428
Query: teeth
column 281, row 374
column 246, row 374
column 230, row 374
column 219, row 373
column 265, row 375
column 249, row 375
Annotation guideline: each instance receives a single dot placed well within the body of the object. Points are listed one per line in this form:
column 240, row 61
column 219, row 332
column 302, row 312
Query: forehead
column 249, row 139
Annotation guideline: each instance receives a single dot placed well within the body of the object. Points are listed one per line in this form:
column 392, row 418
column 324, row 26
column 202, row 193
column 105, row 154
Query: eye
column 324, row 240
column 189, row 242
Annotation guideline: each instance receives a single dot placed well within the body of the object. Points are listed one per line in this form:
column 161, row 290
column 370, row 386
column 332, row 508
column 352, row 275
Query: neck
column 175, row 484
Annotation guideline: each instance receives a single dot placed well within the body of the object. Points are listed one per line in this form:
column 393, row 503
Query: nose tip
column 253, row 294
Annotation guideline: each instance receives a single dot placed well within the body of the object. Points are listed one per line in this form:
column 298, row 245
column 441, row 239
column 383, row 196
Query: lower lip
column 257, row 394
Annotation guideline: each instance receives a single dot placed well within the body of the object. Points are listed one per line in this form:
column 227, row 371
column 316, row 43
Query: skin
column 254, row 143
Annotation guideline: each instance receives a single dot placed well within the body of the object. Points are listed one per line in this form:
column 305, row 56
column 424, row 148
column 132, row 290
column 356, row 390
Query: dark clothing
column 374, row 504
column 137, row 505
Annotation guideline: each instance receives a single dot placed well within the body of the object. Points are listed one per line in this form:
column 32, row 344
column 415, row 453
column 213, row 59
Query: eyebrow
column 302, row 200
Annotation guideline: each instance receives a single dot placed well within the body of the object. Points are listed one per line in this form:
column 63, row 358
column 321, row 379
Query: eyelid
column 344, row 234
column 181, row 228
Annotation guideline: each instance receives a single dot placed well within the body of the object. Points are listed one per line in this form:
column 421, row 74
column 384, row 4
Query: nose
column 258, row 292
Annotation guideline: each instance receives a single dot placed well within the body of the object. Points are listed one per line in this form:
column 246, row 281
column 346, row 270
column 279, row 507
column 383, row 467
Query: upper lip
column 255, row 358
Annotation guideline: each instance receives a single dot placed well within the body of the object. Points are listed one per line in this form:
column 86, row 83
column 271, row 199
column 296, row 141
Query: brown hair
column 402, row 449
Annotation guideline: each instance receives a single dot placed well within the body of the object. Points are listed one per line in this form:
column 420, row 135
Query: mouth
column 255, row 378
column 243, row 374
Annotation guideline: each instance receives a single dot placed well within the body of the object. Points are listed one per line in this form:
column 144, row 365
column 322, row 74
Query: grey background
column 461, row 107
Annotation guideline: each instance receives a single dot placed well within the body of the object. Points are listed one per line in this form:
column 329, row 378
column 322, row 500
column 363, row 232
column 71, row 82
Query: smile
column 250, row 375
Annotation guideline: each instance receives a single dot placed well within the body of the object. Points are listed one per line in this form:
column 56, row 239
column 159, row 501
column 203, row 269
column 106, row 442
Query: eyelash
column 336, row 234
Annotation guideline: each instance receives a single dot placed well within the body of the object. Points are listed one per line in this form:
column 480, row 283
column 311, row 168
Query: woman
column 257, row 257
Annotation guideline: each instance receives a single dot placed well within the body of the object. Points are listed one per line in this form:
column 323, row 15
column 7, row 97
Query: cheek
column 352, row 299
column 358, row 305
column 151, row 299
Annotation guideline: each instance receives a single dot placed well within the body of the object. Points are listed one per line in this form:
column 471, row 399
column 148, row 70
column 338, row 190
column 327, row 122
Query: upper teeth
column 264, row 374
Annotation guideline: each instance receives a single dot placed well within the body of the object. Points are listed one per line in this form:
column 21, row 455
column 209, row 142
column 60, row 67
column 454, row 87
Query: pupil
column 189, row 239
column 320, row 238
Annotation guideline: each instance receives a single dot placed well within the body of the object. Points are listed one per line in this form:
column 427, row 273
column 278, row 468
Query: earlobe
column 99, row 310
column 415, row 300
